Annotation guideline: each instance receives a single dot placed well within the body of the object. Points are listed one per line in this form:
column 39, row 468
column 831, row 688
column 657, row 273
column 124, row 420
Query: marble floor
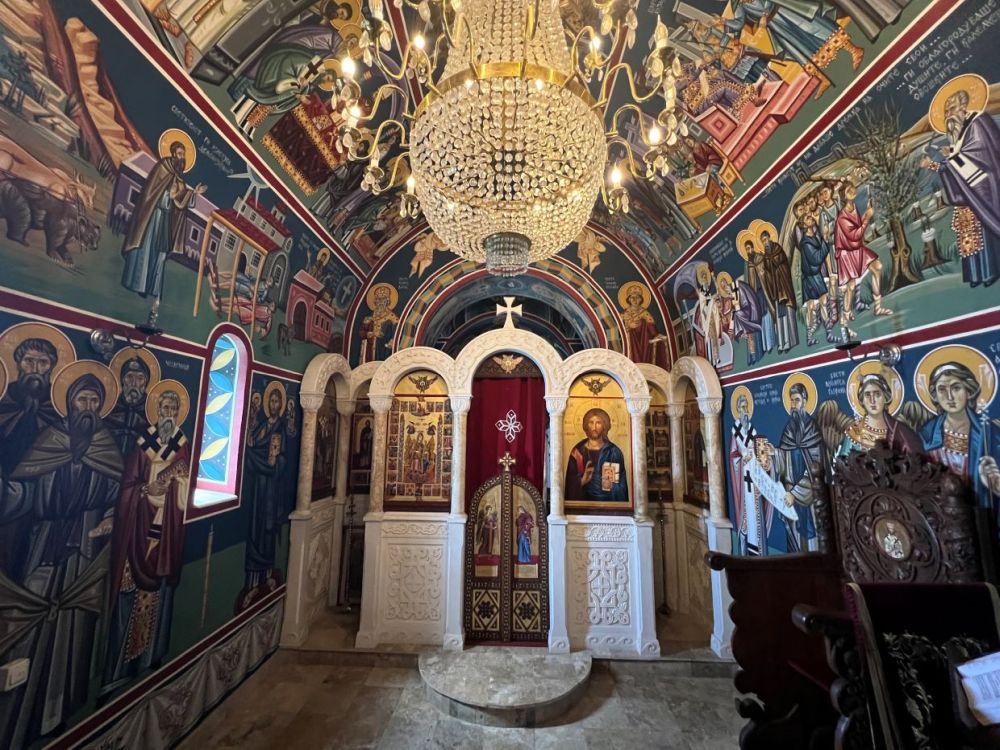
column 679, row 633
column 301, row 700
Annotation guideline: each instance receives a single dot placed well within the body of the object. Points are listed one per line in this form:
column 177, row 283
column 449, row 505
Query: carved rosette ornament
column 903, row 519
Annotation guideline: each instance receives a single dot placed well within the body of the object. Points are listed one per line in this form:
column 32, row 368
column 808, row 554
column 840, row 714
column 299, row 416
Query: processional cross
column 510, row 310
column 507, row 461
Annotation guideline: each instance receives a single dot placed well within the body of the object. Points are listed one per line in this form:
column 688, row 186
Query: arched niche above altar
column 418, row 447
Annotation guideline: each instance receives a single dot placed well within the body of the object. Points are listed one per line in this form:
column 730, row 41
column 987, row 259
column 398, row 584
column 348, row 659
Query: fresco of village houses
column 118, row 198
column 873, row 231
column 753, row 76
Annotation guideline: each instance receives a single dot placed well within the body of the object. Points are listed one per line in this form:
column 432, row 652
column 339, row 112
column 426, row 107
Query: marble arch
column 413, row 572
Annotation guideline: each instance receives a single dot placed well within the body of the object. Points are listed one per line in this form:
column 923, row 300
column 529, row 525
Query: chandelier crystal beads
column 508, row 151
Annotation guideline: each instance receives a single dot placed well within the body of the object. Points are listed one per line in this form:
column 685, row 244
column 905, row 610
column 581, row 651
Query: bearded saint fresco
column 63, row 493
column 148, row 539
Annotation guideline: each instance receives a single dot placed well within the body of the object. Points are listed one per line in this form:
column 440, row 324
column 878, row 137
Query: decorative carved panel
column 415, row 582
column 601, row 586
column 903, row 518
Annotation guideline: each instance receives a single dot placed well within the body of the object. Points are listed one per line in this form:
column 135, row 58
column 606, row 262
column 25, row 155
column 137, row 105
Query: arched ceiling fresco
column 757, row 77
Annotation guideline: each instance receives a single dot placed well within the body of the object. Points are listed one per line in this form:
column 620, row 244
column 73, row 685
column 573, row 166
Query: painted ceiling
column 761, row 81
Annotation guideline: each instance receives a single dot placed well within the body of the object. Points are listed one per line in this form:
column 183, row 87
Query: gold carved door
column 506, row 562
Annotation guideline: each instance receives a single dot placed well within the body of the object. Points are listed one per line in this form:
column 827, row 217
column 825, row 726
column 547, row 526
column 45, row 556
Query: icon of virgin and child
column 596, row 468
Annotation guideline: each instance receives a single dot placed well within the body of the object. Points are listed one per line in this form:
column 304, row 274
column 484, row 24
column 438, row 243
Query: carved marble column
column 558, row 632
column 295, row 626
column 710, row 410
column 719, row 528
column 311, row 403
column 637, row 408
column 380, row 406
column 556, row 406
column 460, row 417
column 676, row 562
column 454, row 632
column 367, row 634
column 677, row 469
column 345, row 410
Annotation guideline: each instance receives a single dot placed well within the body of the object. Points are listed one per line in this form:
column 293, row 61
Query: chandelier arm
column 629, row 155
column 636, row 96
column 379, row 189
column 357, row 155
column 630, row 107
column 380, row 94
column 599, row 60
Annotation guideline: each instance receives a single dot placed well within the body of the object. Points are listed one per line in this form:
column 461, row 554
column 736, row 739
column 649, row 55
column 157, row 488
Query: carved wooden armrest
column 848, row 693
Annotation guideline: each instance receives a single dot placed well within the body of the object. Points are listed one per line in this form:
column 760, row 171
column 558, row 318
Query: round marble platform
column 504, row 687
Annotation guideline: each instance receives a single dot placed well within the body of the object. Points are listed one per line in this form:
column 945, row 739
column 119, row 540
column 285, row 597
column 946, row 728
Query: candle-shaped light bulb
column 655, row 135
column 411, row 184
column 348, row 67
column 595, row 44
column 419, row 42
column 616, row 177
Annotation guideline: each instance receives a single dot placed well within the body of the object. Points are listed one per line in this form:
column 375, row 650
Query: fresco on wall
column 888, row 223
column 270, row 469
column 418, row 454
column 659, row 468
column 362, row 434
column 325, row 454
column 95, row 466
column 127, row 203
column 695, row 456
column 597, row 440
column 940, row 402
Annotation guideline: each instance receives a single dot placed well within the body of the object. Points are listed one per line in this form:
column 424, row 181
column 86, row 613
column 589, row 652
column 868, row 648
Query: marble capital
column 380, row 404
column 460, row 403
column 346, row 406
column 710, row 405
column 556, row 405
column 675, row 411
column 311, row 402
column 637, row 405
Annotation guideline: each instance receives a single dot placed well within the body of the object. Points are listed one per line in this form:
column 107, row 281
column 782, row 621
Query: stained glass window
column 220, row 432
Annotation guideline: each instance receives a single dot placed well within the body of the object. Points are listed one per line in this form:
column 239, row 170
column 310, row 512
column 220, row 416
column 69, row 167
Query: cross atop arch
column 510, row 310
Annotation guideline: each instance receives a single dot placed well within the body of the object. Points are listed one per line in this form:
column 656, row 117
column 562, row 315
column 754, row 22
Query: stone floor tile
column 394, row 677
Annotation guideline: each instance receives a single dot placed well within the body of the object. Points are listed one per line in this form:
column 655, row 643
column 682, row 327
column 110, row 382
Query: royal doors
column 506, row 562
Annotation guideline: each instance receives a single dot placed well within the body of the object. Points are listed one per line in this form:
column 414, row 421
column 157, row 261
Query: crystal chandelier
column 507, row 153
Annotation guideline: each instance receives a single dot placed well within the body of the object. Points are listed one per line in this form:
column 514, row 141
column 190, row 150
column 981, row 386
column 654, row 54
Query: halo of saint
column 74, row 371
column 276, row 385
column 632, row 287
column 163, row 386
column 16, row 335
column 746, row 236
column 3, row 379
column 176, row 135
column 977, row 363
column 808, row 384
column 974, row 85
column 130, row 353
column 740, row 390
column 379, row 290
column 874, row 367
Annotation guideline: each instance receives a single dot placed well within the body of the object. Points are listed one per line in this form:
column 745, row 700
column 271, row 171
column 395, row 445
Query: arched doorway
column 299, row 321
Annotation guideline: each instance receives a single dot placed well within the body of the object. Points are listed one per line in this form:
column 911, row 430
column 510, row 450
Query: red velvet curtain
column 492, row 398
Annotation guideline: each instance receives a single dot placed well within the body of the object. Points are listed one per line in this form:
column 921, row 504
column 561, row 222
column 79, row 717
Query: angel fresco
column 875, row 393
column 955, row 385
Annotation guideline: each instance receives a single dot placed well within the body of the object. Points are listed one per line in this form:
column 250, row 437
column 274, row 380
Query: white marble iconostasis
column 601, row 568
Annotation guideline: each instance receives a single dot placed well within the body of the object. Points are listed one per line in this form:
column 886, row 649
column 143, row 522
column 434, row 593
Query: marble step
column 504, row 687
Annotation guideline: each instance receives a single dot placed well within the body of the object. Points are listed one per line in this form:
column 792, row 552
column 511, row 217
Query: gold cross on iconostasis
column 510, row 310
column 507, row 461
